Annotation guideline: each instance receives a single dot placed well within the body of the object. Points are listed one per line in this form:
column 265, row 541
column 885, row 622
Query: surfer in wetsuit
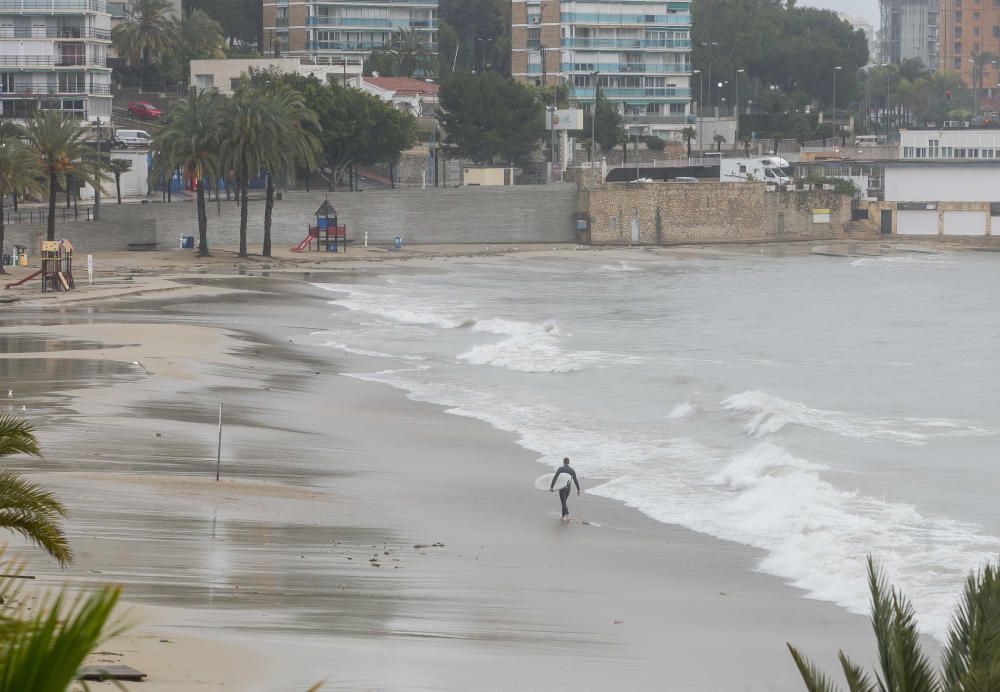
column 565, row 490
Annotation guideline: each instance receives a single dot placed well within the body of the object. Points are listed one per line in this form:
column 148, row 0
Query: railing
column 625, row 43
column 644, row 19
column 627, row 92
column 55, row 90
column 357, row 45
column 49, row 61
column 378, row 22
column 55, row 5
column 41, row 215
column 55, row 32
column 622, row 68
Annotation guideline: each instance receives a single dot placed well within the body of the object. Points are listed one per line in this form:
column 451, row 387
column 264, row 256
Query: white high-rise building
column 641, row 51
column 911, row 29
column 53, row 56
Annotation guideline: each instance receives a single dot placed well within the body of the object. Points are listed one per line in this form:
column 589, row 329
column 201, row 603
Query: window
column 996, row 29
column 958, row 17
column 946, row 152
column 958, row 32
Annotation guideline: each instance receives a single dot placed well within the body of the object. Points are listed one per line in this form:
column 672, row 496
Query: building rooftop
column 404, row 86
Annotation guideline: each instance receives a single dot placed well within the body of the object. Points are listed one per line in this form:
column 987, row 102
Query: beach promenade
column 356, row 537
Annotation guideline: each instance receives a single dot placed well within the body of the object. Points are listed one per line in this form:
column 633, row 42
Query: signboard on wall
column 564, row 119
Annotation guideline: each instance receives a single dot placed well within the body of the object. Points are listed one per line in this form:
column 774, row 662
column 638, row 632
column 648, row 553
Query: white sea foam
column 620, row 267
column 901, row 260
column 816, row 535
column 530, row 353
column 683, row 410
column 770, row 414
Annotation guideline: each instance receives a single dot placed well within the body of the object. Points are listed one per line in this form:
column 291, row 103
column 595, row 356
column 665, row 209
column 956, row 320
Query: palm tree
column 294, row 148
column 150, row 29
column 689, row 134
column 411, row 53
column 191, row 142
column 719, row 141
column 252, row 122
column 61, row 148
column 26, row 508
column 971, row 658
column 118, row 168
column 18, row 173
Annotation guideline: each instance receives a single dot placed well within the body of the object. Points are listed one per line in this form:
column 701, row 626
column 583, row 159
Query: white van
column 133, row 138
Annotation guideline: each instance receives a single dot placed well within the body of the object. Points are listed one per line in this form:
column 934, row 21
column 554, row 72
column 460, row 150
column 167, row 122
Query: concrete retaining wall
column 519, row 214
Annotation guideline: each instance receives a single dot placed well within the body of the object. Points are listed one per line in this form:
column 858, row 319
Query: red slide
column 27, row 278
column 304, row 244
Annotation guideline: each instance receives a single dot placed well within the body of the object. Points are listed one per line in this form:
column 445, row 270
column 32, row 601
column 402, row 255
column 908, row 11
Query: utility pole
column 701, row 105
column 709, row 45
column 593, row 129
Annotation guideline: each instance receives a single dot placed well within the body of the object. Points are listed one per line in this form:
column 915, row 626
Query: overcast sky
column 860, row 8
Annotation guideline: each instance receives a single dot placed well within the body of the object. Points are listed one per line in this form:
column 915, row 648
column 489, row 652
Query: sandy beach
column 356, row 537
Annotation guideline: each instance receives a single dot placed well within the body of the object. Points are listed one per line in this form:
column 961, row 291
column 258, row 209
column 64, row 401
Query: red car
column 144, row 110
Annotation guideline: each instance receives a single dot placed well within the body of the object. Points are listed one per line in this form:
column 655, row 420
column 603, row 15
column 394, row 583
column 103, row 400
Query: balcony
column 28, row 90
column 54, row 5
column 375, row 22
column 616, row 93
column 622, row 68
column 626, row 19
column 49, row 61
column 627, row 43
column 357, row 45
column 74, row 33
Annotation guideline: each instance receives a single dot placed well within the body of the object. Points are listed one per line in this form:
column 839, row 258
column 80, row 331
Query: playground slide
column 304, row 244
column 27, row 278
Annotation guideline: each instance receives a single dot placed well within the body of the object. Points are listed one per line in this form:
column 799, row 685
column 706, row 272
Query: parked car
column 133, row 138
column 144, row 110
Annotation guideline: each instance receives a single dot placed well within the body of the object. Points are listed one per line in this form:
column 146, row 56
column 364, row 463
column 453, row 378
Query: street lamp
column 593, row 129
column 97, row 186
column 737, row 104
column 837, row 69
column 975, row 95
column 709, row 45
column 701, row 105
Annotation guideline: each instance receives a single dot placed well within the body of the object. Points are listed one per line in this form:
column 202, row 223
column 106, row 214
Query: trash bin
column 399, row 242
column 187, row 242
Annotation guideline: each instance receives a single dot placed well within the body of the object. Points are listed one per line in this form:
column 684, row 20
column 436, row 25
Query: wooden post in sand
column 218, row 454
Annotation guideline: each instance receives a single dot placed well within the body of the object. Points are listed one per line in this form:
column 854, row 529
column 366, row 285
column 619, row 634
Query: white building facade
column 950, row 144
column 944, row 198
column 640, row 50
column 53, row 56
column 224, row 74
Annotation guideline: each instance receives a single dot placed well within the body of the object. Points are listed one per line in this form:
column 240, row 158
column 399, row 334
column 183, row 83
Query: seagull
column 10, row 393
column 24, row 409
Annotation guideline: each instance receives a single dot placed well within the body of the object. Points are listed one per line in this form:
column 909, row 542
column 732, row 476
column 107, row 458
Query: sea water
column 821, row 409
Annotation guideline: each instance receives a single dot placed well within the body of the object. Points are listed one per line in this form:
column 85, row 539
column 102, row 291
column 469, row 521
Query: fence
column 36, row 215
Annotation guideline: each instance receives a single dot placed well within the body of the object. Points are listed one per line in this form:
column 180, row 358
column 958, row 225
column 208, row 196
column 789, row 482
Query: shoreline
column 615, row 575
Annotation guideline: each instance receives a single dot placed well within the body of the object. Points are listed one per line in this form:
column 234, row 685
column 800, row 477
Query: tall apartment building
column 53, row 56
column 969, row 28
column 641, row 50
column 912, row 29
column 338, row 29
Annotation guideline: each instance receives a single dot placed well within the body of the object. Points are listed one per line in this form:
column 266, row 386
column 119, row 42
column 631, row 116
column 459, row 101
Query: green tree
column 381, row 63
column 61, row 147
column 118, row 168
column 191, row 142
column 719, row 141
column 491, row 118
column 412, row 54
column 294, row 146
column 148, row 32
column 689, row 134
column 609, row 131
column 26, row 508
column 479, row 29
column 19, row 173
column 199, row 37
column 239, row 19
column 971, row 657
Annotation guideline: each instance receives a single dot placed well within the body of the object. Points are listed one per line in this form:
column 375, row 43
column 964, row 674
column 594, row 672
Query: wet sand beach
column 357, row 537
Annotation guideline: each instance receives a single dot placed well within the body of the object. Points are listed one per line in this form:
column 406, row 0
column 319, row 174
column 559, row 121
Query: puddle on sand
column 36, row 386
column 33, row 343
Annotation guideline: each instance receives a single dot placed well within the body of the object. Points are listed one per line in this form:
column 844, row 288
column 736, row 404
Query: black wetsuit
column 565, row 490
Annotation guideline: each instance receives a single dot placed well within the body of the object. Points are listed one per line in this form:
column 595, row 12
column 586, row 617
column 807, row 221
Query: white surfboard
column 544, row 482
